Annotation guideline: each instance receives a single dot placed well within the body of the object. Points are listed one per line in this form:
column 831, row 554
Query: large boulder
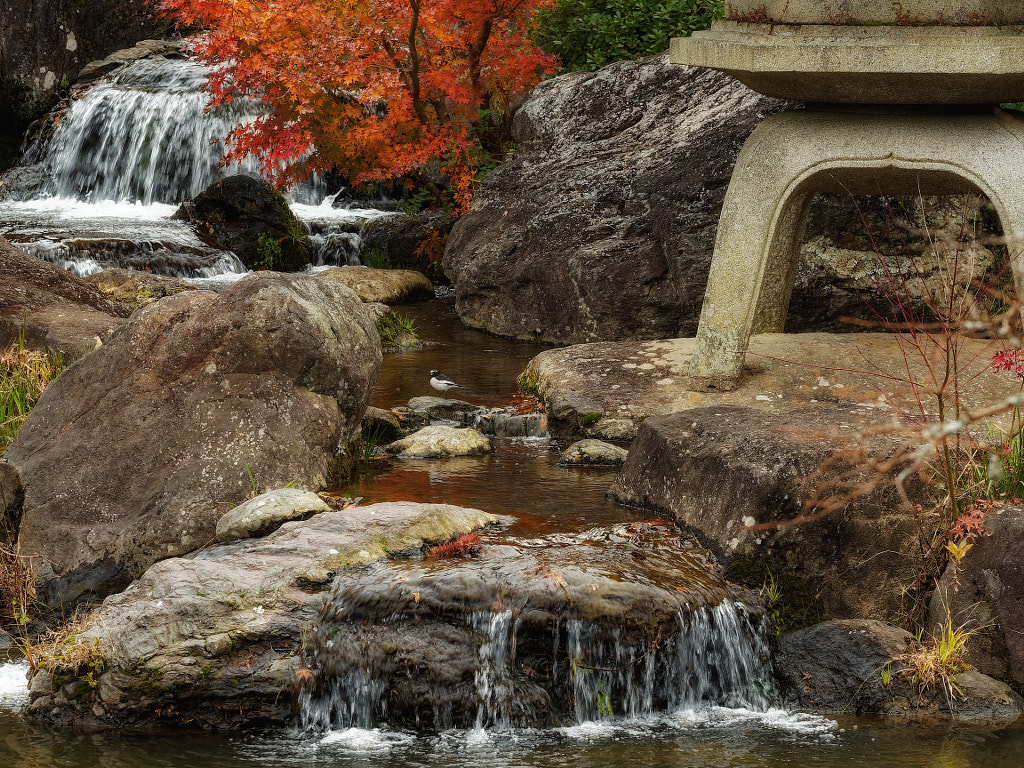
column 215, row 640
column 861, row 667
column 984, row 595
column 49, row 308
column 132, row 454
column 602, row 225
column 724, row 470
column 249, row 217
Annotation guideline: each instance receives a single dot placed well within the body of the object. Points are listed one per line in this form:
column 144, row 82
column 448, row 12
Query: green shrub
column 590, row 34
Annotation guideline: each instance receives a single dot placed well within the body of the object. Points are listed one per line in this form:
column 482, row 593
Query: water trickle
column 624, row 622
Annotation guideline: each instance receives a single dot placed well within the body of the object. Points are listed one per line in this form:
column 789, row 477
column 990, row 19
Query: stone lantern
column 901, row 98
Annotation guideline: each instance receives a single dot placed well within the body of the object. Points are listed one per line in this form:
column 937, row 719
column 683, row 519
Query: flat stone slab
column 872, row 64
column 607, row 389
column 860, row 12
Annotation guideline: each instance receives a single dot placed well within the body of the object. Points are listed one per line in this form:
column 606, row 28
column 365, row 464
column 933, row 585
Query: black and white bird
column 441, row 382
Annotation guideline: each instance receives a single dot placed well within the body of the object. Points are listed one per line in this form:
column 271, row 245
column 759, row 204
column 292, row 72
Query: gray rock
column 24, row 182
column 602, row 225
column 215, row 640
column 720, row 471
column 444, row 409
column 198, row 392
column 988, row 597
column 593, row 453
column 837, row 666
column 51, row 308
column 438, row 441
column 267, row 512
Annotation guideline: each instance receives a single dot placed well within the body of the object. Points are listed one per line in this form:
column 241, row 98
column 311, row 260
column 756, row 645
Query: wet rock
column 23, row 182
column 986, row 596
column 594, row 453
column 606, row 390
column 628, row 620
column 386, row 286
column 720, row 471
column 382, row 426
column 837, row 666
column 444, row 409
column 248, row 216
column 199, row 392
column 439, row 441
column 133, row 289
column 214, row 640
column 267, row 512
column 51, row 308
column 144, row 49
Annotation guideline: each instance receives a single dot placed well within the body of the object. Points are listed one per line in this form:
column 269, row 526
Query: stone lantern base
column 793, row 155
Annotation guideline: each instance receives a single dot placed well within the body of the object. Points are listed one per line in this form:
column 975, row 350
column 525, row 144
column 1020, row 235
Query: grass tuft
column 24, row 374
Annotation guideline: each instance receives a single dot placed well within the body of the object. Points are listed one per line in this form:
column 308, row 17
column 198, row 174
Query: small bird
column 441, row 382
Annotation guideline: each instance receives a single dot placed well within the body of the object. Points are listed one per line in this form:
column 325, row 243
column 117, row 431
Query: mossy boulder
column 251, row 218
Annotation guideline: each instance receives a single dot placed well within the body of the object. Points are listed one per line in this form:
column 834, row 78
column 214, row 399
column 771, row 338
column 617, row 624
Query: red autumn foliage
column 468, row 544
column 378, row 90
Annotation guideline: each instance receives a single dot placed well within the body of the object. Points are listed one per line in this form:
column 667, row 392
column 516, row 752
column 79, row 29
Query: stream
column 90, row 215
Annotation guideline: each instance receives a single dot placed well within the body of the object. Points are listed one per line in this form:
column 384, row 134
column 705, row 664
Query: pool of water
column 522, row 484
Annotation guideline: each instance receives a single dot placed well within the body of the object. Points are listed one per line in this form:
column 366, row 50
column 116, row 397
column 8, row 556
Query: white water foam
column 13, row 685
column 367, row 739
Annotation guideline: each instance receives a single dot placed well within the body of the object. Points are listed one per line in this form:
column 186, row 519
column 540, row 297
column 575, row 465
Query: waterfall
column 143, row 134
column 556, row 632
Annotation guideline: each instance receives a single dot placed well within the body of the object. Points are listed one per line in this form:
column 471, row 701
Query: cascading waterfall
column 125, row 152
column 143, row 135
column 546, row 635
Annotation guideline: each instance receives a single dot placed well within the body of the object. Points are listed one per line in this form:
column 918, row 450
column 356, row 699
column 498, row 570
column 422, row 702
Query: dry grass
column 934, row 663
column 24, row 374
column 16, row 591
column 62, row 650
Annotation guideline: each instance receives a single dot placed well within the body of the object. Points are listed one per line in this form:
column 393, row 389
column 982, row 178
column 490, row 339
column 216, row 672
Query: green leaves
column 590, row 34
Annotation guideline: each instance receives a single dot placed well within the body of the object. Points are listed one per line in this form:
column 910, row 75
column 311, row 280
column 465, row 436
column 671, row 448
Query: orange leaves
column 374, row 89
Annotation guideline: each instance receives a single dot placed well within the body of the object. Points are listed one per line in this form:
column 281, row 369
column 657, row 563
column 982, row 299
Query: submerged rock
column 198, row 392
column 50, row 308
column 593, row 453
column 386, row 286
column 214, row 640
column 860, row 667
column 267, row 512
column 438, row 441
column 722, row 471
column 624, row 621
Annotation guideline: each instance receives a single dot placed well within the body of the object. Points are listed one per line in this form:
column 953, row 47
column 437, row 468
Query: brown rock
column 131, row 454
column 50, row 307
column 134, row 289
column 988, row 597
column 718, row 471
column 386, row 286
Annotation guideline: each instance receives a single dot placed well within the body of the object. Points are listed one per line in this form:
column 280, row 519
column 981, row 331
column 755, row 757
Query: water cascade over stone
column 628, row 621
column 144, row 135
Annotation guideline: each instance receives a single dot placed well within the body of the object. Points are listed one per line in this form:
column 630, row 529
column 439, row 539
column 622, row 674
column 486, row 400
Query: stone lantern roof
column 868, row 51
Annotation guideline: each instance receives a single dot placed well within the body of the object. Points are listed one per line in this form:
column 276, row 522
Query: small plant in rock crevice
column 24, row 374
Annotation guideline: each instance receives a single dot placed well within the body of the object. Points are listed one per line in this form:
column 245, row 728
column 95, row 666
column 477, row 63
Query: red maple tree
column 377, row 90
